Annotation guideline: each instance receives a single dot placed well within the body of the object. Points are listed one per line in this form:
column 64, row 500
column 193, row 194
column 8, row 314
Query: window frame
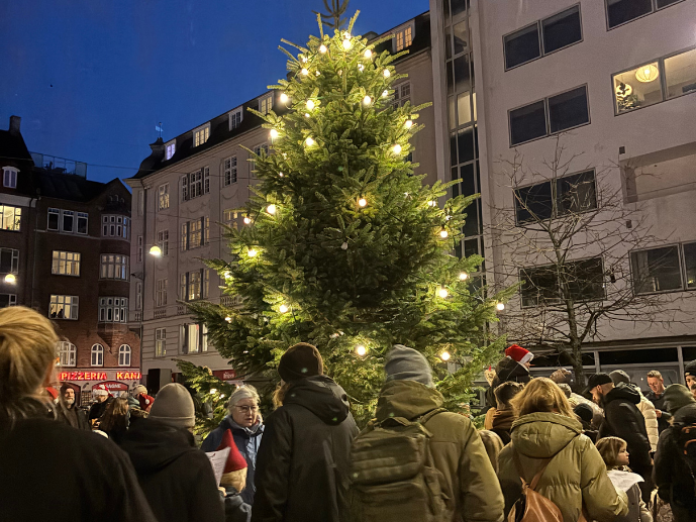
column 13, row 173
column 654, row 10
column 125, row 355
column 231, row 116
column 231, row 179
column 163, row 241
column 160, row 342
column 163, row 197
column 161, row 292
column 266, row 99
column 14, row 260
column 202, row 131
column 11, row 300
column 201, row 338
column 98, row 350
column 66, row 347
column 109, row 311
column 170, row 144
column 122, row 264
column 67, row 262
column 401, row 31
column 16, row 217
column 682, row 268
column 573, row 261
column 73, row 305
column 116, row 226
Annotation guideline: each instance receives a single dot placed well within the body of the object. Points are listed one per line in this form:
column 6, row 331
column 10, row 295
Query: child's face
column 623, row 457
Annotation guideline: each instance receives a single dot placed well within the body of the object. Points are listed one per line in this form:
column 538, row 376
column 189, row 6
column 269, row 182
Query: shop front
column 85, row 381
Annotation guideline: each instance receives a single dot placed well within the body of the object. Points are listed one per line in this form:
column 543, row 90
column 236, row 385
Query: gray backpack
column 392, row 475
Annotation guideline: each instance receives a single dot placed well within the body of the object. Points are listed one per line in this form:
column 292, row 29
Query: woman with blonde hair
column 115, row 421
column 548, row 447
column 96, row 479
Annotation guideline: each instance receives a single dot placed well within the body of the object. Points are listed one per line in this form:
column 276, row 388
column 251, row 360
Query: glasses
column 247, row 409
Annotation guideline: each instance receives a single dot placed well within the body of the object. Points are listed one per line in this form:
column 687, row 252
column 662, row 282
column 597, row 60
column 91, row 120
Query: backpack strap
column 425, row 418
column 536, row 478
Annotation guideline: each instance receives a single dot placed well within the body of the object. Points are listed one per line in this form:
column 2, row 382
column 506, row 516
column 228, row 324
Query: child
column 233, row 481
column 493, row 446
column 614, row 452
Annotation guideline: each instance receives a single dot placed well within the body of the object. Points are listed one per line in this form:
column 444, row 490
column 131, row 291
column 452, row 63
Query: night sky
column 92, row 78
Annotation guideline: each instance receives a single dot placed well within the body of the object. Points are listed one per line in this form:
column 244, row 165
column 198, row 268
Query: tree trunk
column 577, row 365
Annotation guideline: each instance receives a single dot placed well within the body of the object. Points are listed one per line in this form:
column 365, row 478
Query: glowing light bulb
column 368, row 53
column 155, row 251
column 306, row 115
column 444, row 234
column 304, row 59
column 271, row 209
column 362, row 202
column 463, row 276
column 284, row 98
column 222, row 395
column 443, row 292
column 386, row 73
column 397, row 149
column 409, row 124
column 213, row 390
column 361, row 350
column 500, row 307
column 367, row 100
column 283, row 309
column 318, row 73
column 310, row 141
column 322, row 49
column 304, row 71
column 274, row 134
column 361, row 67
column 385, row 93
column 247, row 220
column 228, row 319
column 252, row 252
column 445, row 356
column 310, row 104
column 281, row 174
column 228, row 275
column 431, row 203
column 10, row 279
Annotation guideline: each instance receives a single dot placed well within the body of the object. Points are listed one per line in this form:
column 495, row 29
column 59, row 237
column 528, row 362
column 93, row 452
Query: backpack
column 686, row 444
column 392, row 475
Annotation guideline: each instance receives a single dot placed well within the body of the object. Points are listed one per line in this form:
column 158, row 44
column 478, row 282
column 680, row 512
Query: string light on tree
column 386, row 73
column 385, row 93
column 310, row 141
column 280, row 174
column 444, row 234
column 361, row 67
column 228, row 319
column 368, row 53
column 310, row 104
column 367, row 100
column 247, row 220
column 431, row 203
column 409, row 124
column 445, row 356
column 213, row 391
column 306, row 115
column 252, row 252
column 271, row 209
column 274, row 134
column 443, row 292
column 322, row 49
column 500, row 307
column 305, row 71
column 347, row 44
column 361, row 350
column 463, row 276
column 283, row 309
column 284, row 98
column 362, row 202
column 228, row 275
column 397, row 149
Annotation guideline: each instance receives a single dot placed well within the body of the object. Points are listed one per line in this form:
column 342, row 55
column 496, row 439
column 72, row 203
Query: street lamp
column 155, row 251
column 10, row 279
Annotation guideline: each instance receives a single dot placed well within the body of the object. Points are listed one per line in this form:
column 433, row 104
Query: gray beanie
column 406, row 364
column 174, row 406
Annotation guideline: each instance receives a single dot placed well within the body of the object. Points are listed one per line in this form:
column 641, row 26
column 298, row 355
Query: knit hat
column 584, row 411
column 519, row 354
column 677, row 396
column 174, row 407
column 406, row 364
column 235, row 460
column 690, row 369
column 620, row 376
column 300, row 361
column 100, row 390
column 139, row 389
column 145, row 401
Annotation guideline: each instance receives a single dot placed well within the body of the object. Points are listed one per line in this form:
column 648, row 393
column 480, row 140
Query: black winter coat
column 673, row 477
column 507, row 370
column 89, row 477
column 303, row 462
column 623, row 419
column 176, row 477
column 74, row 416
column 659, row 403
column 98, row 409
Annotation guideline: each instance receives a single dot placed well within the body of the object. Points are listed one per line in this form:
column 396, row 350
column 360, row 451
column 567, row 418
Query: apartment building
column 192, row 183
column 64, row 251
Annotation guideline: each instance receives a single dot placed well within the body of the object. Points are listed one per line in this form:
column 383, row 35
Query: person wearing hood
column 244, row 420
column 514, row 368
column 585, row 415
column 623, row 419
column 646, row 407
column 68, row 411
column 175, row 476
column 303, row 463
column 466, row 477
column 673, row 476
column 546, row 436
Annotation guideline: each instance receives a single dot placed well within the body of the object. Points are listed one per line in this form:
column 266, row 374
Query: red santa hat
column 519, row 354
column 235, row 460
column 145, row 401
column 100, row 390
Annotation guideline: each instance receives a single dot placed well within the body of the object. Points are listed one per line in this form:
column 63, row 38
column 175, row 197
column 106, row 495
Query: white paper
column 624, row 480
column 218, row 460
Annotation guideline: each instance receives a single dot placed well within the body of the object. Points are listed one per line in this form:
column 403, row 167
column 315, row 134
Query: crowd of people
column 547, row 449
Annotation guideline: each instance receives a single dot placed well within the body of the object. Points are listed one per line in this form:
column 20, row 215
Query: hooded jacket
column 575, row 474
column 456, row 447
column 175, row 476
column 502, row 424
column 248, row 441
column 623, row 419
column 303, row 462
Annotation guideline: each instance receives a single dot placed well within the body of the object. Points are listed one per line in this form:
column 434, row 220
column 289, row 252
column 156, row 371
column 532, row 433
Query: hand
column 658, row 413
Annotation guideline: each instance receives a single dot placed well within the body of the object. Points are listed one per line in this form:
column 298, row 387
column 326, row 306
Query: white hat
column 99, row 391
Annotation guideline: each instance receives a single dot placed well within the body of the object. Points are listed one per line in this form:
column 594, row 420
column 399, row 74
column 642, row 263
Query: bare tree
column 571, row 238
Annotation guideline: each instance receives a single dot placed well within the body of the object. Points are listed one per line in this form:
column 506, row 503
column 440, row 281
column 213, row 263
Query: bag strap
column 425, row 418
column 535, row 480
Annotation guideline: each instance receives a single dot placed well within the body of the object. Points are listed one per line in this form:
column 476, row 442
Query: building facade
column 66, row 242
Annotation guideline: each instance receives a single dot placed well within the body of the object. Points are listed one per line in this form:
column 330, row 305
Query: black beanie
column 584, row 411
column 300, row 361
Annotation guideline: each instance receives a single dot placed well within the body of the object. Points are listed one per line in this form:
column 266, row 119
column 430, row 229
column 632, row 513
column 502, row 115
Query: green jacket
column 577, row 474
column 457, row 450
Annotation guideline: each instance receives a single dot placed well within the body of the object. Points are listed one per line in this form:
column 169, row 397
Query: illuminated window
column 230, row 217
column 65, row 263
column 266, row 104
column 160, row 342
column 63, row 307
column 403, row 37
column 170, row 149
column 163, row 196
column 235, row 118
column 194, row 338
column 402, row 94
column 201, row 135
column 230, row 170
column 195, row 184
column 10, row 218
column 114, row 266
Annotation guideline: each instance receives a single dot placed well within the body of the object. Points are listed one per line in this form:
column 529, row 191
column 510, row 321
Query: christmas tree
column 343, row 246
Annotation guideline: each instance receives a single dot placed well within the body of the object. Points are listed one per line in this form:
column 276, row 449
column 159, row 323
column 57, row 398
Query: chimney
column 15, row 122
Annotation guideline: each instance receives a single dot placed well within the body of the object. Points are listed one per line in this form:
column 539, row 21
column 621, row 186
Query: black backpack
column 686, row 445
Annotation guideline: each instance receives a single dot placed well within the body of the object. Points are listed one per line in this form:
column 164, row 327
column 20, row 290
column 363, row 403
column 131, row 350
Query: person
column 515, row 368
column 177, row 478
column 145, row 401
column 303, row 461
column 68, row 411
column 646, row 407
column 234, row 480
column 562, row 377
column 690, row 374
column 623, row 419
column 115, row 420
column 693, row 390
column 546, row 428
column 504, row 415
column 96, row 479
column 585, row 415
column 656, row 396
column 494, row 445
column 245, row 422
column 103, row 398
column 674, row 473
column 615, row 455
column 466, row 474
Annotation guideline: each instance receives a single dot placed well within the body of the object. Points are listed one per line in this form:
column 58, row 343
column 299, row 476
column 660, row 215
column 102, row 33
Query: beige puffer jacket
column 647, row 408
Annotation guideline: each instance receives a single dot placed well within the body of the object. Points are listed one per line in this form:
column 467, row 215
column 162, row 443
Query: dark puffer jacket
column 304, row 459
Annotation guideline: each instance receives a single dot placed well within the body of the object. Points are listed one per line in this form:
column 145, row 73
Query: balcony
column 56, row 165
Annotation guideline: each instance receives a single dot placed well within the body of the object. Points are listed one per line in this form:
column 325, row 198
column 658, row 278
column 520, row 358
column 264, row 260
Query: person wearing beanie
column 68, row 411
column 245, row 423
column 233, row 482
column 458, row 453
column 674, row 476
column 175, row 476
column 304, row 458
column 585, row 415
column 103, row 398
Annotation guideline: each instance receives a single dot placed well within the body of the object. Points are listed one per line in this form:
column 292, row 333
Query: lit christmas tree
column 342, row 246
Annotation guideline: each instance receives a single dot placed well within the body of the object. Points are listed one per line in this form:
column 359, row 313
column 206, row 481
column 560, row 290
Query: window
column 194, row 285
column 124, row 355
column 9, row 261
column 138, row 295
column 201, row 135
column 194, row 338
column 690, row 264
column 163, row 199
column 68, row 353
column 656, row 270
column 580, row 280
column 195, row 234
column 622, row 11
column 160, row 342
column 230, row 171
column 113, row 309
column 184, row 236
column 97, row 355
column 140, row 249
column 195, row 184
column 656, row 81
column 8, row 300
column 161, row 292
column 66, row 263
column 67, row 221
column 63, row 307
column 82, row 221
column 163, row 241
column 230, row 217
column 10, row 218
column 169, row 149
column 576, row 193
column 259, row 148
column 554, row 114
column 403, row 37
column 266, row 104
column 114, row 266
column 235, row 118
column 566, row 195
column 115, row 226
column 402, row 94
column 9, row 177
column 534, row 203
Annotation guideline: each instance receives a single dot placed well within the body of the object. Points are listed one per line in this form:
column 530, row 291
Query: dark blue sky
column 91, row 78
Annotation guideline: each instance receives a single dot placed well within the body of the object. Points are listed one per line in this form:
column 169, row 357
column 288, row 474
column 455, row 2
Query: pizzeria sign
column 99, row 376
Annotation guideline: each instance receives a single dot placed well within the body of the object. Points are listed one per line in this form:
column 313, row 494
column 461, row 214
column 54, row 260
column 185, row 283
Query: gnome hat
column 235, row 460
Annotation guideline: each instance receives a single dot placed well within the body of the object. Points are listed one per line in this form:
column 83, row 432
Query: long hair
column 115, row 414
column 541, row 395
column 609, row 448
column 280, row 392
column 27, row 352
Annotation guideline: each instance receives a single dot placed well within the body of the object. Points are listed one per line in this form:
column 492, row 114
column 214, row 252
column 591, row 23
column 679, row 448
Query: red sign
column 225, row 375
column 98, row 376
column 112, row 386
